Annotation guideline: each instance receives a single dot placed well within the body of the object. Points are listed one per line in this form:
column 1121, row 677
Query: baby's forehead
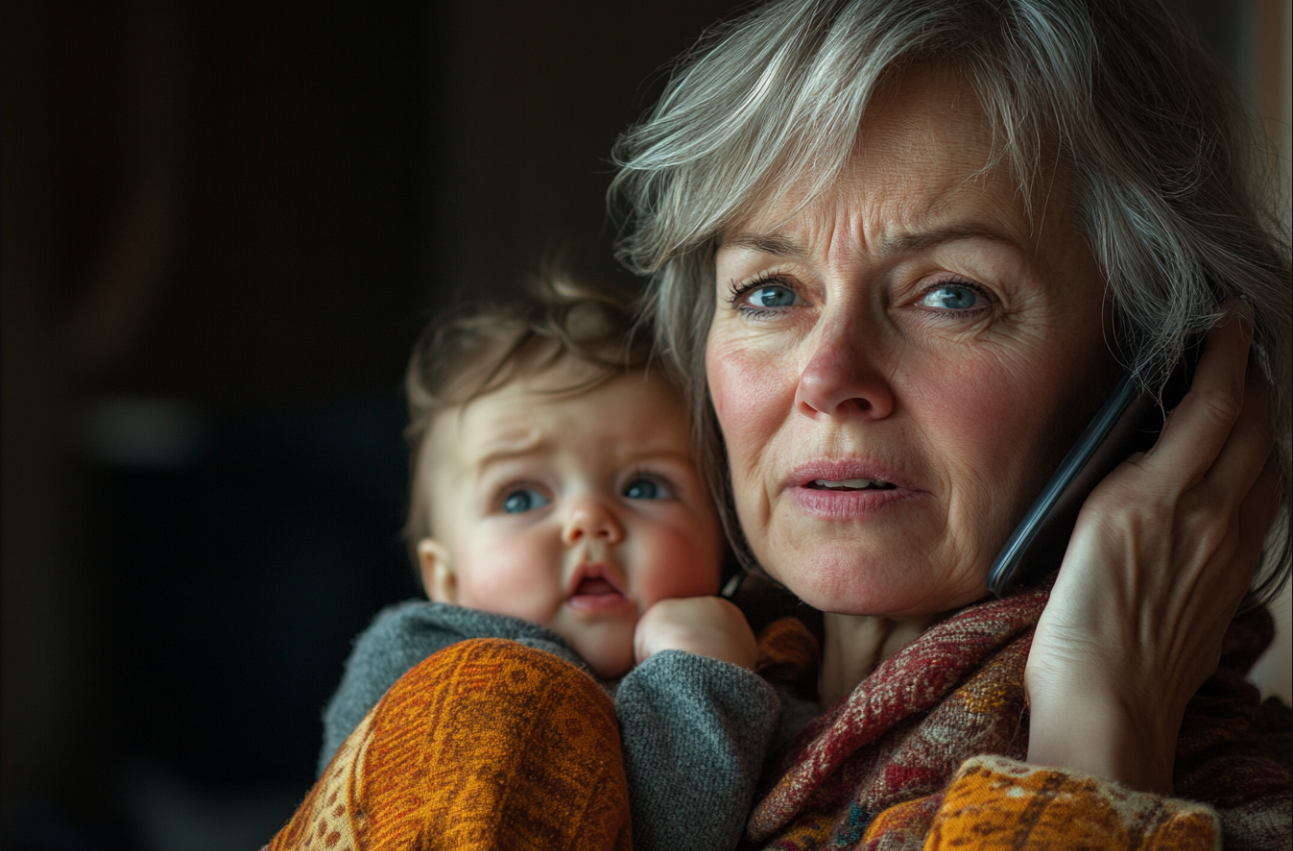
column 631, row 411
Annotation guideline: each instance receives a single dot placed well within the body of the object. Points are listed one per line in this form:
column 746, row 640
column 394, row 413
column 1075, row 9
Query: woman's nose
column 591, row 520
column 842, row 377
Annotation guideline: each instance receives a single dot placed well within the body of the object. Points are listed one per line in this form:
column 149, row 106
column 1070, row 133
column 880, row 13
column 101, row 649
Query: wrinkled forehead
column 547, row 372
column 925, row 134
column 633, row 413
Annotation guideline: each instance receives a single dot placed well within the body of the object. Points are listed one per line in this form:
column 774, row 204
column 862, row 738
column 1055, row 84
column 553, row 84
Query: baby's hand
column 706, row 626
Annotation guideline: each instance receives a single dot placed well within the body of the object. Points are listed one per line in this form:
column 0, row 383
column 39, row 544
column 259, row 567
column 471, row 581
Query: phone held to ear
column 1129, row 422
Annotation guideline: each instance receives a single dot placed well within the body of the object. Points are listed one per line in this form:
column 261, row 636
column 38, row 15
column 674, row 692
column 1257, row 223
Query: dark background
column 224, row 224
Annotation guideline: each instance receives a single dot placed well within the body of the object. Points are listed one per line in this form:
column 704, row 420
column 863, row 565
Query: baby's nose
column 592, row 519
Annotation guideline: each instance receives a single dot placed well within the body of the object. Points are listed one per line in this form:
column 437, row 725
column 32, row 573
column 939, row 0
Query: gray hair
column 1164, row 163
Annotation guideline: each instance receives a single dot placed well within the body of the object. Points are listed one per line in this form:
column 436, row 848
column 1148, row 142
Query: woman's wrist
column 1105, row 736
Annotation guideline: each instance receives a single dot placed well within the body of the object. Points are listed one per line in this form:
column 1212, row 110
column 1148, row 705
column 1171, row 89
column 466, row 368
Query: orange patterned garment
column 437, row 765
column 997, row 803
column 490, row 745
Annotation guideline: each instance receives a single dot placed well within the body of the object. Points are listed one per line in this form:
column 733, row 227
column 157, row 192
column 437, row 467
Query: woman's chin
column 871, row 584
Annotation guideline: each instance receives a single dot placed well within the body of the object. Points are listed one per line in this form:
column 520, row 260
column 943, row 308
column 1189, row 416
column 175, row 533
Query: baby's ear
column 438, row 578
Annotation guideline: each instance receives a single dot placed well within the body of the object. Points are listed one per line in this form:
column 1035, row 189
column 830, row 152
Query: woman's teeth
column 852, row 484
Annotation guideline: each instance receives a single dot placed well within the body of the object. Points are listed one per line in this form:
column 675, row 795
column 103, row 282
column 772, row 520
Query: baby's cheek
column 678, row 564
column 510, row 577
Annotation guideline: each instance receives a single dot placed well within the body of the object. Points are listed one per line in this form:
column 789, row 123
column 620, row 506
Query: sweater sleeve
column 695, row 731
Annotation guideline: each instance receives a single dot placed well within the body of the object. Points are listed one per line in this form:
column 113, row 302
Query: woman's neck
column 856, row 644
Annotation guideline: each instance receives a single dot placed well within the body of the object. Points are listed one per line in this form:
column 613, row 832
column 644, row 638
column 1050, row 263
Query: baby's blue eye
column 772, row 296
column 523, row 500
column 951, row 297
column 646, row 489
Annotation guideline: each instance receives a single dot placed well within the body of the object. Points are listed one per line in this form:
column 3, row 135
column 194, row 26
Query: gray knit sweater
column 694, row 730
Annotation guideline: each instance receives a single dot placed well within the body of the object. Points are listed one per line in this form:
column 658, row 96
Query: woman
column 903, row 250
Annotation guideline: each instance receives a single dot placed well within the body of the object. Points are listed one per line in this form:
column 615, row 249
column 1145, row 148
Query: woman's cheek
column 969, row 411
column 750, row 396
column 993, row 430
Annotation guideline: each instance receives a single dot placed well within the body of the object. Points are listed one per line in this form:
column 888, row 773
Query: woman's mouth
column 851, row 485
column 848, row 490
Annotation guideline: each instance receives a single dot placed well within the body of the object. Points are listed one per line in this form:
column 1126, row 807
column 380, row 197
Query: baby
column 556, row 502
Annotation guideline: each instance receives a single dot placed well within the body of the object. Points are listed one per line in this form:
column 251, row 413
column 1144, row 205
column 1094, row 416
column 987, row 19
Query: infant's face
column 576, row 513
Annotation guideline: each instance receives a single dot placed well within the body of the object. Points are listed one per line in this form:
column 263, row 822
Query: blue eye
column 951, row 297
column 522, row 500
column 772, row 295
column 643, row 488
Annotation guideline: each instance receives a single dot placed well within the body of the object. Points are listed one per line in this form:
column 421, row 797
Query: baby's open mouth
column 851, row 485
column 594, row 587
column 596, row 591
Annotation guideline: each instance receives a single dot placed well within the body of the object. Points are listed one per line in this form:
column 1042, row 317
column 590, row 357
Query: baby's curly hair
column 473, row 350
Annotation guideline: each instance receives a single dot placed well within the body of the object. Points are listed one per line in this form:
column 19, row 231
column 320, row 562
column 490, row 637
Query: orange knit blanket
column 436, row 765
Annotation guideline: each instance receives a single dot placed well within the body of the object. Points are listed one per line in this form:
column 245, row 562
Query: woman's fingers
column 1256, row 516
column 1251, row 438
column 1199, row 428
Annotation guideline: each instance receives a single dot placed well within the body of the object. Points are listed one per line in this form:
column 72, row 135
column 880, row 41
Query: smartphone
column 1127, row 423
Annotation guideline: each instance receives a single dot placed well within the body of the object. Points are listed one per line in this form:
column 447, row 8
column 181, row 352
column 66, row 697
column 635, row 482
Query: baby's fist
column 706, row 626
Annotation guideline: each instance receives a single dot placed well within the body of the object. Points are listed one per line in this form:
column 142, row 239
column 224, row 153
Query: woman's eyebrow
column 766, row 243
column 910, row 243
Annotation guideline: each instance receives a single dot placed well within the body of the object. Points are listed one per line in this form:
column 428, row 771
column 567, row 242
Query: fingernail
column 1243, row 311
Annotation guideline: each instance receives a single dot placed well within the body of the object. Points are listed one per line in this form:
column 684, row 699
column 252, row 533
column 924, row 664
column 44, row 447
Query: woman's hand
column 1162, row 555
column 706, row 626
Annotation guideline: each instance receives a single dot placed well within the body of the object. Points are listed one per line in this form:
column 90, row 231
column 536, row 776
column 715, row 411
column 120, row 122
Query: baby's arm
column 695, row 726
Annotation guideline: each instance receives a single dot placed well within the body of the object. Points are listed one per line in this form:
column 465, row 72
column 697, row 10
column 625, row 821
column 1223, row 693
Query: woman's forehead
column 925, row 167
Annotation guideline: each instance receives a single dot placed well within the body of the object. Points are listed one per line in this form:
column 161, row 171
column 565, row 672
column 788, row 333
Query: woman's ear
column 438, row 578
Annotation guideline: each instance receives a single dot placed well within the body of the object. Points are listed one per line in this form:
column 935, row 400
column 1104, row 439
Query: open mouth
column 849, row 490
column 850, row 485
column 596, row 589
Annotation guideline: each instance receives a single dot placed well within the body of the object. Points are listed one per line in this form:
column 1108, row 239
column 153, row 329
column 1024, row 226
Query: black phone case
column 1128, row 422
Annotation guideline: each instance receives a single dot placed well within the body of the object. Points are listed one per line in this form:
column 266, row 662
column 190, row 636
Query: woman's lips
column 847, row 490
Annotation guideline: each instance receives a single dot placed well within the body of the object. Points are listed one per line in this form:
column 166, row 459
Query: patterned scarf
column 884, row 755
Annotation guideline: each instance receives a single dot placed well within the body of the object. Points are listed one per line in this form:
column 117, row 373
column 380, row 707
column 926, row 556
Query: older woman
column 903, row 250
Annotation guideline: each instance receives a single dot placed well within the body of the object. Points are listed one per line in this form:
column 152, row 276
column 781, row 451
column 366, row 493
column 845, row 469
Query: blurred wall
column 224, row 225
